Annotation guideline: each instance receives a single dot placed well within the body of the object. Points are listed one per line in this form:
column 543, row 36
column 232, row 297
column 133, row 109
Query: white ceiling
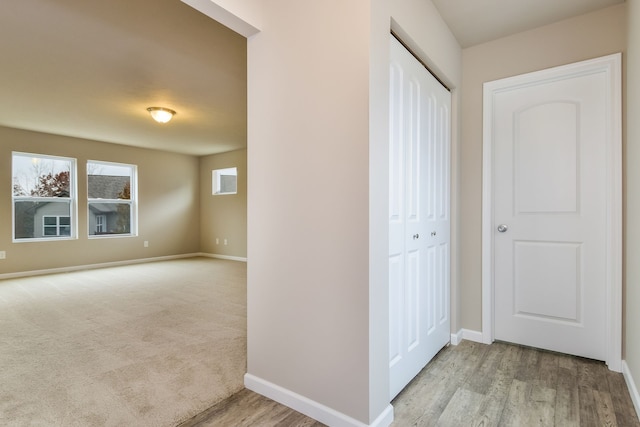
column 90, row 69
column 478, row 21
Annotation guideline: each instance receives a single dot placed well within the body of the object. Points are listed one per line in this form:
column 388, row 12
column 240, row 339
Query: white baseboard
column 311, row 408
column 114, row 264
column 93, row 266
column 466, row 334
column 631, row 385
column 227, row 257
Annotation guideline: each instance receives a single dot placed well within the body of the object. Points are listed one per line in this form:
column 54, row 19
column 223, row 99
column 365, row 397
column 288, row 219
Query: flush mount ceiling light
column 160, row 114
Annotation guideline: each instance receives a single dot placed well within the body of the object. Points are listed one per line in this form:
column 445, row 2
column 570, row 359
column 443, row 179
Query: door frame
column 611, row 66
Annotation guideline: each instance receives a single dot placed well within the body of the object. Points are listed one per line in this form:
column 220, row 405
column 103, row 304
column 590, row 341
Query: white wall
column 632, row 337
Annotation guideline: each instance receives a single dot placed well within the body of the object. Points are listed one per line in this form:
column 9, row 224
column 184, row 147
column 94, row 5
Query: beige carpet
column 142, row 345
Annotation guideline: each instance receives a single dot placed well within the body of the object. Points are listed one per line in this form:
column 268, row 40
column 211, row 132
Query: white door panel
column 550, row 177
column 418, row 217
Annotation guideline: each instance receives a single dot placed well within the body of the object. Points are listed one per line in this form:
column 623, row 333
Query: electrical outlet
column 217, row 241
column 146, row 243
column 3, row 254
column 225, row 241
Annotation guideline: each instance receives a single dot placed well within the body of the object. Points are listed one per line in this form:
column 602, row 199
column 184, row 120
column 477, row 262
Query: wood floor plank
column 548, row 370
column 519, row 386
column 475, row 385
column 604, row 409
column 567, row 407
column 248, row 409
column 588, row 411
column 484, row 376
column 494, row 402
column 464, row 405
column 529, row 365
column 510, row 362
column 429, row 393
column 529, row 405
column 621, row 399
column 592, row 374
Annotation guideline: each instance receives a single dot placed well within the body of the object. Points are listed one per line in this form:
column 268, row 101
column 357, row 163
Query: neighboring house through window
column 111, row 199
column 44, row 203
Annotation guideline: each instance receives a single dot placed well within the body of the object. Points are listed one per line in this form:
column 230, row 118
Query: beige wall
column 168, row 205
column 223, row 216
column 318, row 111
column 632, row 235
column 587, row 36
column 308, row 201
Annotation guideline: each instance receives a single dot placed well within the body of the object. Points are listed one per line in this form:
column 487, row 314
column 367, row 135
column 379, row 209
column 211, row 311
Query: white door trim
column 611, row 65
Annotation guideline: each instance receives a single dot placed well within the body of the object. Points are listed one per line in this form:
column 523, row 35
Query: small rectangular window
column 111, row 189
column 101, row 221
column 56, row 225
column 44, row 203
column 225, row 181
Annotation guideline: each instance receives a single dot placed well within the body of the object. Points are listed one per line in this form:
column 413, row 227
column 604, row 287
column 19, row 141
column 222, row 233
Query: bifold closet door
column 419, row 217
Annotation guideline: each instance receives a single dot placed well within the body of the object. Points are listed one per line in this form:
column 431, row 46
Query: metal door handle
column 502, row 228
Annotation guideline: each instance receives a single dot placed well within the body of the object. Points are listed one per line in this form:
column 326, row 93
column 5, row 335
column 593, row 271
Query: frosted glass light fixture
column 161, row 114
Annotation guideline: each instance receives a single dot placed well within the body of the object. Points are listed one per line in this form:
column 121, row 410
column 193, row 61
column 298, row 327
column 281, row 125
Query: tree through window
column 43, row 191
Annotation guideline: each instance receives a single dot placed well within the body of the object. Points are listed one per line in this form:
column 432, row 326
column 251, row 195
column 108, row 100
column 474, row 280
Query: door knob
column 502, row 228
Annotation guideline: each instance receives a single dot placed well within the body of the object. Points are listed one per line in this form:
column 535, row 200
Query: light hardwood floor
column 475, row 385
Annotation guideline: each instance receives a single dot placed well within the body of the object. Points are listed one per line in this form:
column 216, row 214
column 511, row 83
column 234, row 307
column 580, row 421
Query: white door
column 419, row 221
column 551, row 136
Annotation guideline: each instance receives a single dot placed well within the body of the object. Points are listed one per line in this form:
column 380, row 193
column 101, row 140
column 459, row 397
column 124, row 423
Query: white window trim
column 216, row 184
column 72, row 199
column 132, row 202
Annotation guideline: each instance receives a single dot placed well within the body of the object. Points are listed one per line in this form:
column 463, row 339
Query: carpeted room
column 147, row 344
column 156, row 342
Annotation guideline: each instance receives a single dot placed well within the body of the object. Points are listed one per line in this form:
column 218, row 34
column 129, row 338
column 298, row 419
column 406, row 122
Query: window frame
column 132, row 202
column 57, row 225
column 216, row 181
column 72, row 200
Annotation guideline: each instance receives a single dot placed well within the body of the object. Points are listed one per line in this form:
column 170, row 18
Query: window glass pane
column 109, row 181
column 43, row 191
column 106, row 183
column 109, row 218
column 36, row 176
column 228, row 183
column 37, row 220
